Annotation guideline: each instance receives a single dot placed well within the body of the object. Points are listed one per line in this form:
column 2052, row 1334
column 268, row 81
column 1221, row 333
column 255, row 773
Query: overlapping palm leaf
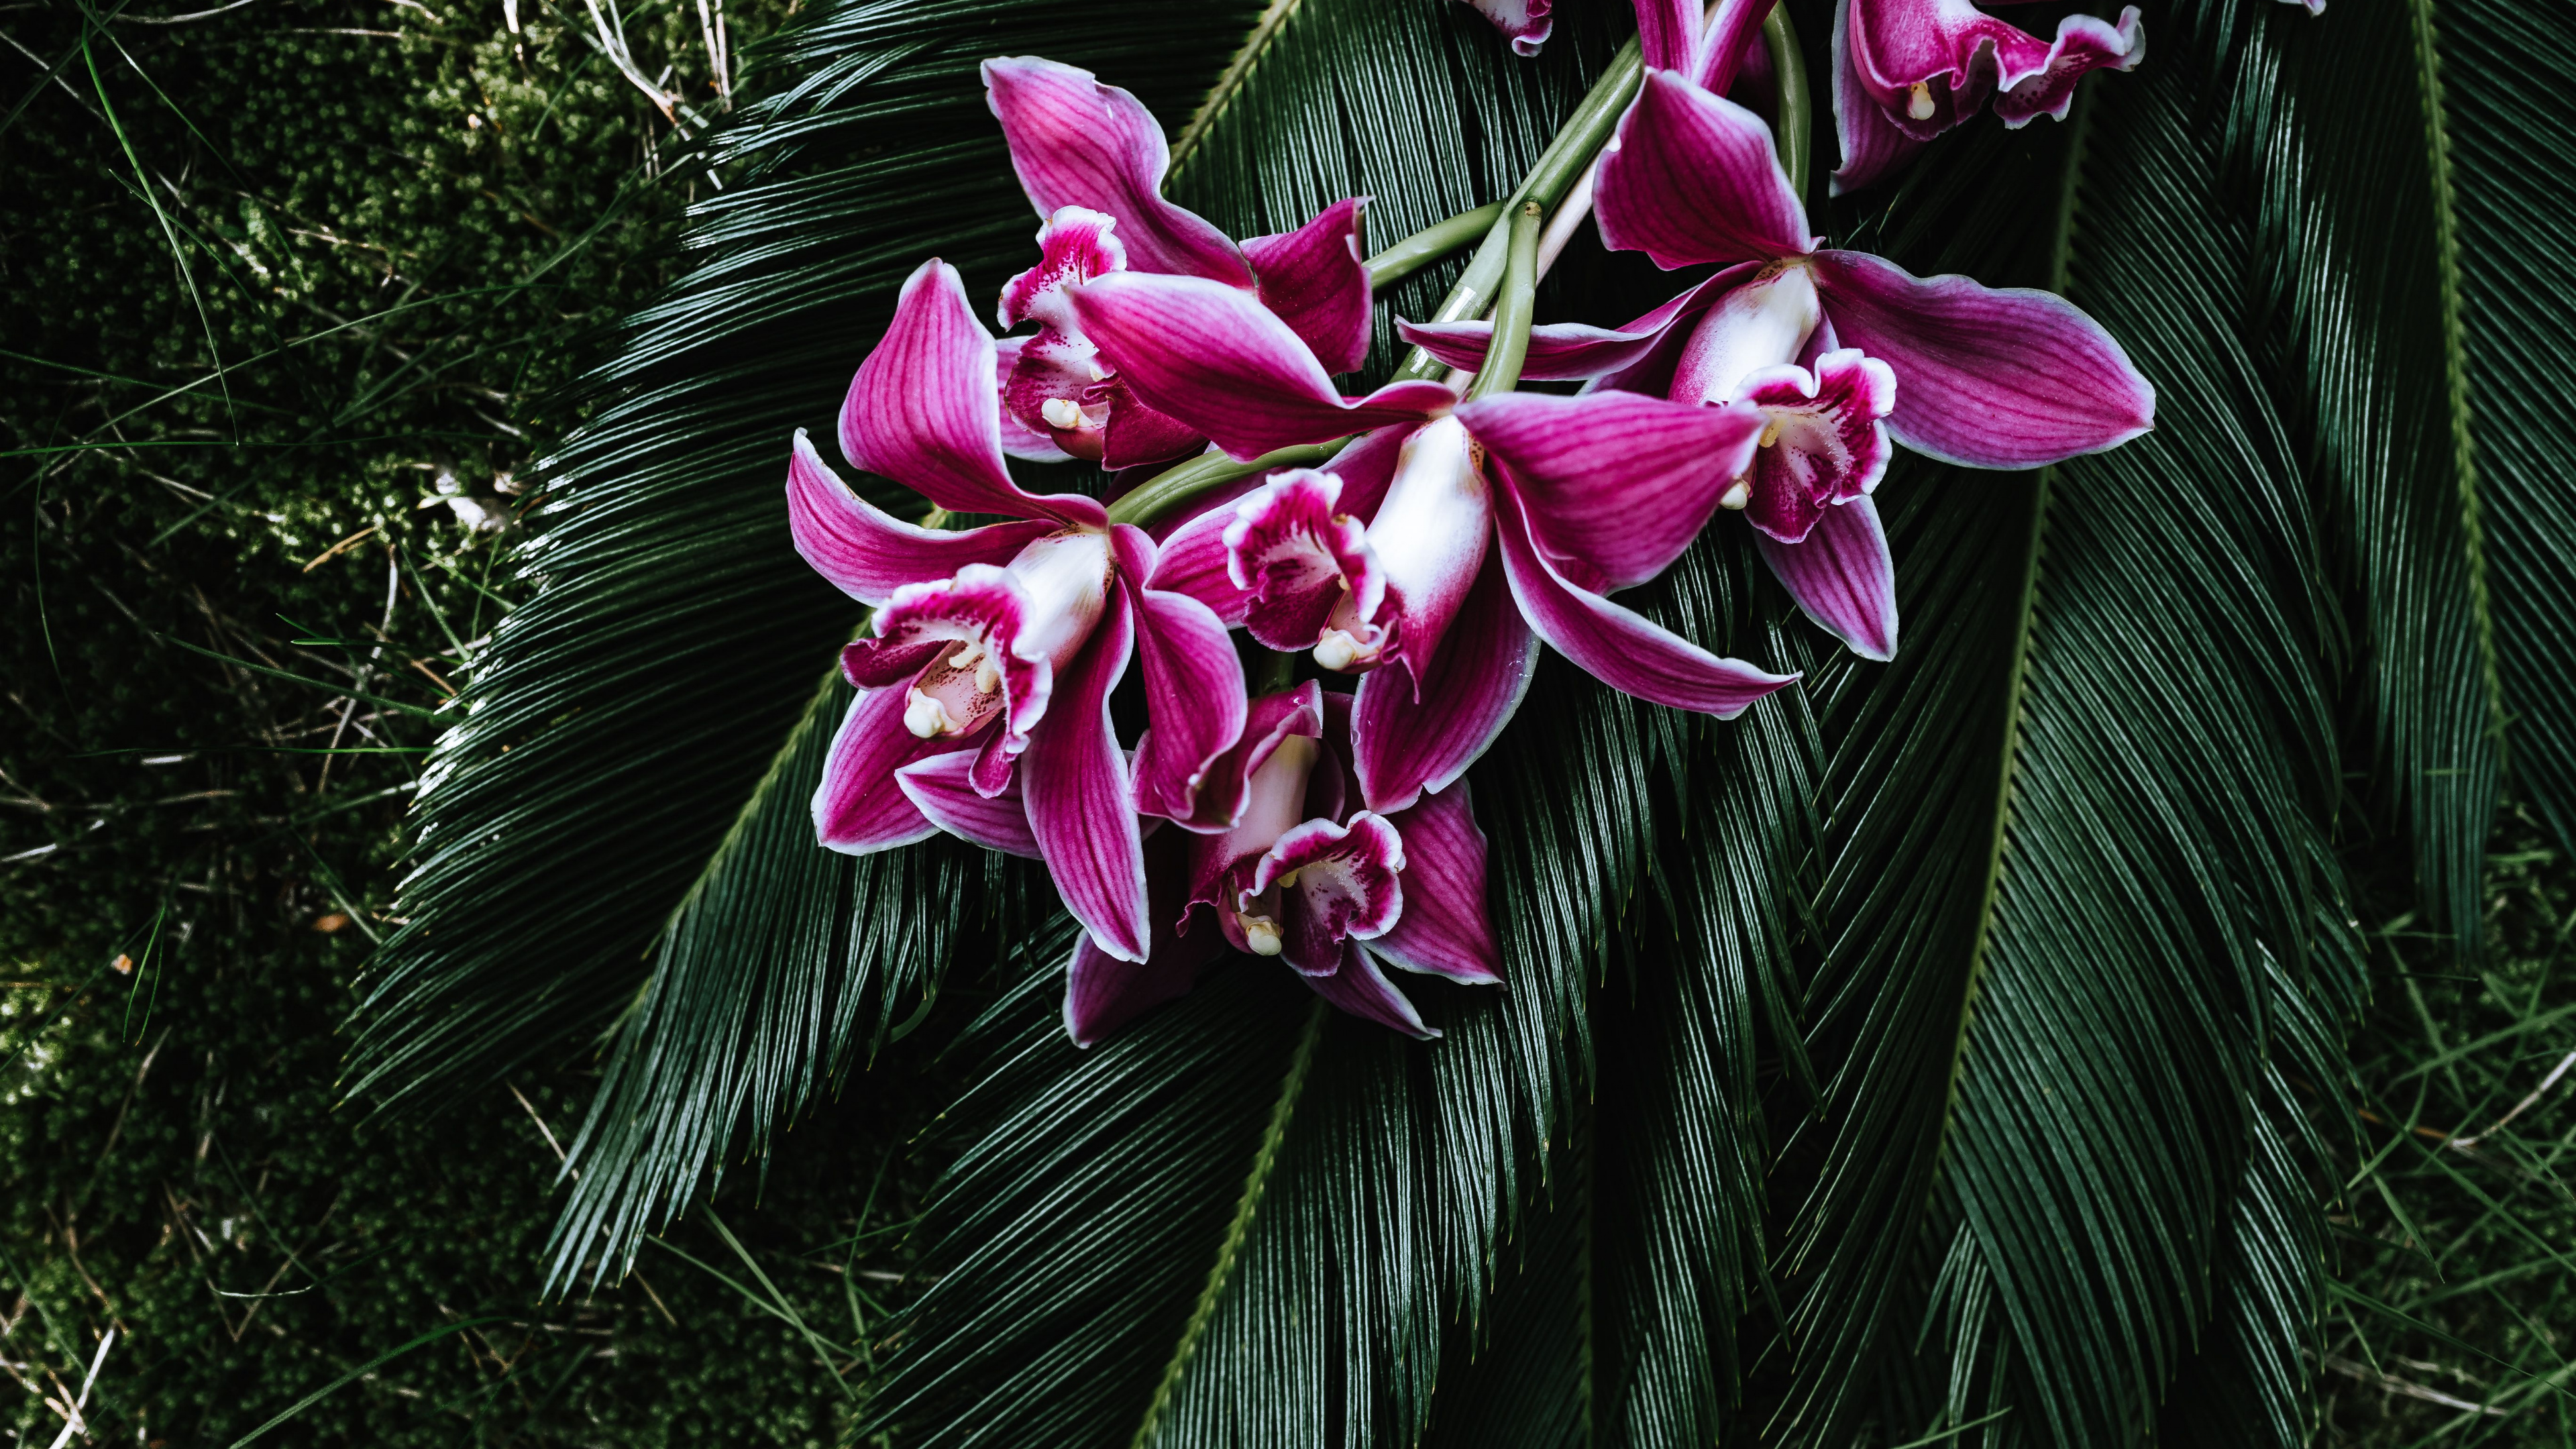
column 1944, row 1047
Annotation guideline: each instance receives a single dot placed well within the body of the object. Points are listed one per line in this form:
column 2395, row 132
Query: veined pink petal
column 2083, row 43
column 868, row 553
column 1224, row 794
column 1445, row 928
column 1336, row 883
column 956, row 647
column 1080, row 798
column 1991, row 377
column 1426, row 543
column 1075, row 245
column 1873, row 145
column 1195, row 561
column 1823, row 443
column 1525, row 23
column 1841, row 575
column 1138, row 435
column 939, row 788
column 1298, row 558
column 1019, row 440
column 1216, row 359
column 1572, row 351
column 1729, row 31
column 1614, row 485
column 1692, row 178
column 1361, row 989
column 859, row 808
column 924, row 409
column 1103, row 993
column 1668, row 33
column 1618, row 646
column 1194, row 694
column 1414, row 732
column 1316, row 280
column 1928, row 64
column 1076, row 142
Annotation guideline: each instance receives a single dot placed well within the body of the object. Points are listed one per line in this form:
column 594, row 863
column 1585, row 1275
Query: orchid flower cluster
column 1417, row 542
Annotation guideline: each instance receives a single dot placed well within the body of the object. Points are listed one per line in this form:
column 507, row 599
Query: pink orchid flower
column 1092, row 160
column 994, row 649
column 1907, row 70
column 1436, row 553
column 1307, row 874
column 1837, row 350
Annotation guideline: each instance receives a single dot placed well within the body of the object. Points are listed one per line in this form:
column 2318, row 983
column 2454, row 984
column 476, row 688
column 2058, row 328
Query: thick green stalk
column 1512, row 309
column 1430, row 244
column 1793, row 129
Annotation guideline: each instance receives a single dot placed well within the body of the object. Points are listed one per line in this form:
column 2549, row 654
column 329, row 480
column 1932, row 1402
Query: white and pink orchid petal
column 1668, row 33
column 1316, row 279
column 1194, row 560
column 1427, row 543
column 957, row 646
column 1081, row 797
column 859, row 808
column 1103, row 993
column 1445, row 928
column 868, row 553
column 1991, row 377
column 924, row 409
column 1276, row 776
column 1225, row 795
column 1075, row 245
column 1336, row 883
column 1823, row 441
column 1415, row 728
column 1614, row 485
column 1194, row 696
column 1525, row 23
column 1841, row 575
column 1763, row 323
column 940, row 789
column 1367, row 469
column 1019, row 440
column 1076, row 142
column 1299, row 558
column 1216, row 359
column 1361, row 989
column 2083, row 43
column 1873, row 145
column 1692, row 178
column 1618, row 646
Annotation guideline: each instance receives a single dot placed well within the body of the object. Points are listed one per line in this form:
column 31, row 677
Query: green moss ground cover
column 292, row 288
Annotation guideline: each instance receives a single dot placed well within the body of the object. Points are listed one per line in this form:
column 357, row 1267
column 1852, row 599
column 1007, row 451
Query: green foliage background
column 395, row 227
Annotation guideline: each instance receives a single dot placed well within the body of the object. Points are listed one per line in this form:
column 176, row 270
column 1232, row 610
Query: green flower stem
column 1512, row 309
column 1581, row 139
column 1793, row 130
column 1430, row 244
column 1184, row 481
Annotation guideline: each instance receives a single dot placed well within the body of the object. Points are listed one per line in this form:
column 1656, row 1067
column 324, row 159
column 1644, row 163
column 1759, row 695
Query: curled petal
column 1990, row 377
column 1337, row 883
column 1615, row 485
column 1417, row 728
column 940, row 788
column 1841, row 575
column 1693, row 178
column 1103, row 993
column 1076, row 142
column 961, row 643
column 1075, row 245
column 1194, row 560
column 1361, row 989
column 1445, row 928
column 1315, row 278
column 868, row 553
column 1225, row 790
column 1873, row 145
column 1618, row 646
column 1928, row 64
column 1080, row 799
column 1216, row 359
column 1824, row 441
column 1297, row 557
column 859, row 808
column 1525, row 23
column 2083, row 43
column 924, row 409
column 1193, row 688
column 1020, row 440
